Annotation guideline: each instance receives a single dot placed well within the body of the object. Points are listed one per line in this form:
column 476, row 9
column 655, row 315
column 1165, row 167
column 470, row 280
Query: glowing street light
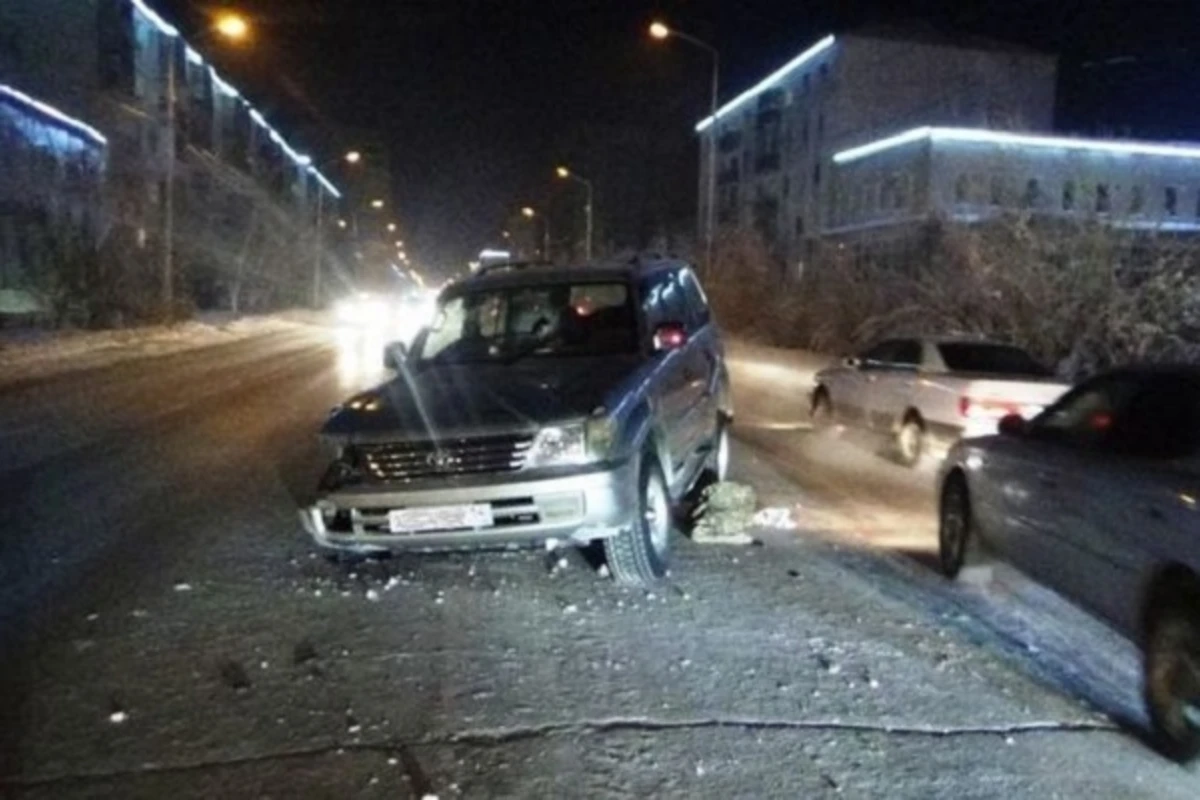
column 529, row 213
column 232, row 26
column 353, row 157
column 399, row 245
column 566, row 174
column 343, row 224
column 659, row 30
column 391, row 227
column 377, row 204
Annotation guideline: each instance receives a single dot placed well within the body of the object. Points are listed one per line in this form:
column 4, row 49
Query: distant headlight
column 566, row 445
column 346, row 311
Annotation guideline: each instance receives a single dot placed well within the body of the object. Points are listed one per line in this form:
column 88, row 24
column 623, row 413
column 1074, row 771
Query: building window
column 1171, row 201
column 804, row 134
column 804, row 84
column 816, row 181
column 824, row 72
column 1137, row 200
column 901, row 196
column 1068, row 196
column 800, row 225
column 962, row 189
column 1033, row 194
column 997, row 190
column 1197, row 205
column 1103, row 198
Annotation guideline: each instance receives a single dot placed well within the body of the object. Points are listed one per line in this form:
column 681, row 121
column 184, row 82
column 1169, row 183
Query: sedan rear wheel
column 1172, row 674
column 821, row 412
column 910, row 441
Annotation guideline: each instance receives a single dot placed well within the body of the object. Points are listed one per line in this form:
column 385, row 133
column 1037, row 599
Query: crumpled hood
column 476, row 398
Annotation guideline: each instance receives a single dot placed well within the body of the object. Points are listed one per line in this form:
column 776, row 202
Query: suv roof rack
column 484, row 270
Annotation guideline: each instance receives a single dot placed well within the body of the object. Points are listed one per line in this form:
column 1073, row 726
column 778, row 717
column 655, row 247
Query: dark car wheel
column 1172, row 671
column 957, row 542
column 716, row 468
column 639, row 555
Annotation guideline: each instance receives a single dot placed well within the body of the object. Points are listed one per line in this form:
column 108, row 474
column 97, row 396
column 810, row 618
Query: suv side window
column 699, row 314
column 663, row 300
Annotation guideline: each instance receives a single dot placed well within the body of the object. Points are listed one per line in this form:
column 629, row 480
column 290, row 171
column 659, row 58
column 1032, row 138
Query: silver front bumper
column 580, row 507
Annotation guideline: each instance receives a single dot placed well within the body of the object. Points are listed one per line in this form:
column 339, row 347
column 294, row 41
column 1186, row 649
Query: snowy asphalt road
column 164, row 629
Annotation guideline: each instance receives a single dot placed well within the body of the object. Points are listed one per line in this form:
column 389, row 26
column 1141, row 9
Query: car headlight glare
column 559, row 446
column 578, row 443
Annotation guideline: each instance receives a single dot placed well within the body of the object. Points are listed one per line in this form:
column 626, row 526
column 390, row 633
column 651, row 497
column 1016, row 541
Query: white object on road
column 777, row 518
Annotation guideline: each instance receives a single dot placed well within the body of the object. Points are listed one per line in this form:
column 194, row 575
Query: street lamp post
column 661, row 31
column 353, row 157
column 567, row 174
column 529, row 213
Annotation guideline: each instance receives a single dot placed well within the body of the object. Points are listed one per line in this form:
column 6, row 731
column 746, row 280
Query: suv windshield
column 997, row 359
column 566, row 319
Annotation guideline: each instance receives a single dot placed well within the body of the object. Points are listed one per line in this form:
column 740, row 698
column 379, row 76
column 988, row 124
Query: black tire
column 638, row 555
column 958, row 543
column 1171, row 669
column 716, row 467
column 910, row 441
column 821, row 412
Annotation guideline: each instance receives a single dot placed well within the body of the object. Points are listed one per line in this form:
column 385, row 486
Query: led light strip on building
column 226, row 89
column 985, row 136
column 769, row 81
column 75, row 125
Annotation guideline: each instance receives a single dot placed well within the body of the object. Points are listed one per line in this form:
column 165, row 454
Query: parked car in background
column 923, row 391
column 1099, row 497
column 569, row 404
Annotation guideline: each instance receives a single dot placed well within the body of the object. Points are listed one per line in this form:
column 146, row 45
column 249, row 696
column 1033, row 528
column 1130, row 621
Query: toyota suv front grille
column 409, row 461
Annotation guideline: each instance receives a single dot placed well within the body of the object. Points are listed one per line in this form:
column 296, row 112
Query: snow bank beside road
column 37, row 354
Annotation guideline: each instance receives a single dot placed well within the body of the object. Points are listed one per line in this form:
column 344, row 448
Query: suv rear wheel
column 638, row 555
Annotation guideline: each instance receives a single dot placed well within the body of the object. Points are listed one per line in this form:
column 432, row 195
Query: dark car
column 545, row 404
column 1098, row 497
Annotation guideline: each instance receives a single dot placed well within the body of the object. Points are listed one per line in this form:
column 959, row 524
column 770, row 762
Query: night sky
column 477, row 101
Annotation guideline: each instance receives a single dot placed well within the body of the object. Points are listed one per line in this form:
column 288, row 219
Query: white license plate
column 440, row 518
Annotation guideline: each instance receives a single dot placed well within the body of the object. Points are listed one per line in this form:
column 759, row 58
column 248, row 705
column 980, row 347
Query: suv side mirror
column 852, row 362
column 669, row 336
column 1012, row 425
column 395, row 354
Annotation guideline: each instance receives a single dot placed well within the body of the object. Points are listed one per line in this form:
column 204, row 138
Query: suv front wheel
column 638, row 555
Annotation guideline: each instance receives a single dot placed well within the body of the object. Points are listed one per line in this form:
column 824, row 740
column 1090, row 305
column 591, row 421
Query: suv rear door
column 676, row 385
column 705, row 363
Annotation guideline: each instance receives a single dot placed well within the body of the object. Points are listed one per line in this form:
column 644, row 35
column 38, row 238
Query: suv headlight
column 577, row 443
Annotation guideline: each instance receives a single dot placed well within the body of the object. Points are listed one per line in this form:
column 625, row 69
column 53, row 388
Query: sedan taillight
column 986, row 407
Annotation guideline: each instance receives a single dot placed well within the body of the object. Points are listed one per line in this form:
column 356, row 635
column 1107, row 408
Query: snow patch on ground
column 777, row 518
column 29, row 354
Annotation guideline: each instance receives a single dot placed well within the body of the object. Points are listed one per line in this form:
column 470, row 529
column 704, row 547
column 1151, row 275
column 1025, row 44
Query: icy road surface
column 166, row 631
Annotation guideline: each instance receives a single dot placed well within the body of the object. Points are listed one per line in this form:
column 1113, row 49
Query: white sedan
column 921, row 391
column 1099, row 497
